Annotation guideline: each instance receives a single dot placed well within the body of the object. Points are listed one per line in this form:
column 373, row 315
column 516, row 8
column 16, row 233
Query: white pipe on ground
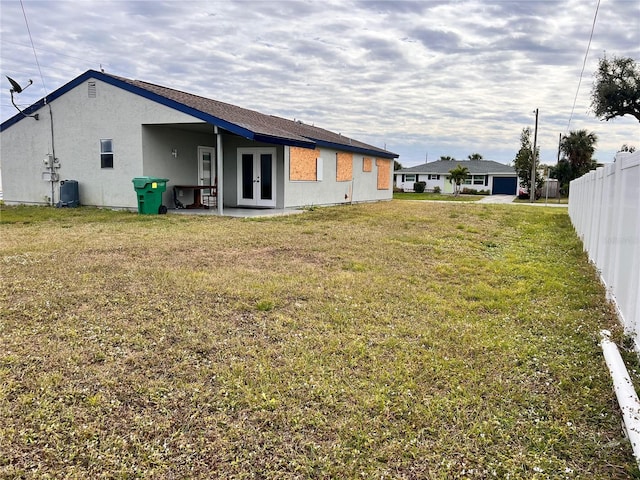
column 625, row 392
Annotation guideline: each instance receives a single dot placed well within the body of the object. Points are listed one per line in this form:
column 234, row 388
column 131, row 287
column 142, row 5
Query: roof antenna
column 16, row 88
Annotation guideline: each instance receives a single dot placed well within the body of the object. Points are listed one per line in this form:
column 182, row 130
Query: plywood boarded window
column 303, row 164
column 384, row 173
column 367, row 164
column 344, row 167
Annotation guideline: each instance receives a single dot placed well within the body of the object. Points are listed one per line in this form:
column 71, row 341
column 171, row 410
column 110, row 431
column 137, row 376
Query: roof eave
column 356, row 149
column 193, row 112
column 283, row 141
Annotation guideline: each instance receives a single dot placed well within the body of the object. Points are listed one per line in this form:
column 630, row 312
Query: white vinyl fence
column 604, row 206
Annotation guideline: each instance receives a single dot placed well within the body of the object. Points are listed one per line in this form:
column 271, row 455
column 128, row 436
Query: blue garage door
column 504, row 185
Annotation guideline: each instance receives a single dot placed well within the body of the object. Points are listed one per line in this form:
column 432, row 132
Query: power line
column 584, row 63
column 42, row 50
column 33, row 47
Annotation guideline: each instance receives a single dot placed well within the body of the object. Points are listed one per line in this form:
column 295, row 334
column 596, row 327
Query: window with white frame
column 474, row 180
column 410, row 177
column 433, row 177
column 106, row 153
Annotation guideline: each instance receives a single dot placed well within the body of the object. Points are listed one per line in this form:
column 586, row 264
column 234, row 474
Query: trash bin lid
column 141, row 182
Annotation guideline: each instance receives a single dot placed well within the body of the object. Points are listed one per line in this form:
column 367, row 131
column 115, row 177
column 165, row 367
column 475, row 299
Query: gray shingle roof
column 241, row 121
column 477, row 167
column 268, row 126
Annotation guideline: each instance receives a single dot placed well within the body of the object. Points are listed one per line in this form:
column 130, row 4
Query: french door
column 256, row 177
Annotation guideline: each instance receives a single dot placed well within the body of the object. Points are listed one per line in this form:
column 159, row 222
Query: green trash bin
column 149, row 191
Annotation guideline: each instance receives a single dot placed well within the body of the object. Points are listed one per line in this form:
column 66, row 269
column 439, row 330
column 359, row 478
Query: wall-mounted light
column 174, row 152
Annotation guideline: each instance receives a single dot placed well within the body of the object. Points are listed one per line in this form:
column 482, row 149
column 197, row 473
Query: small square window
column 106, row 153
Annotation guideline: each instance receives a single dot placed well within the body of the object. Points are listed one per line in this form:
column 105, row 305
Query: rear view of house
column 102, row 131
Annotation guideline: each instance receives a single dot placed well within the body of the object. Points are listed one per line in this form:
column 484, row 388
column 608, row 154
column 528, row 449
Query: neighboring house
column 104, row 130
column 495, row 177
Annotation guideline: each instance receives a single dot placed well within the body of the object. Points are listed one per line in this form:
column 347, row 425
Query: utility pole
column 532, row 187
column 558, row 163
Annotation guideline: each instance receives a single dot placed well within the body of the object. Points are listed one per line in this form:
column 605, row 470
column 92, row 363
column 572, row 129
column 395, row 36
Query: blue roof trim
column 30, row 110
column 132, row 89
column 353, row 148
column 175, row 105
column 17, row 117
column 284, row 141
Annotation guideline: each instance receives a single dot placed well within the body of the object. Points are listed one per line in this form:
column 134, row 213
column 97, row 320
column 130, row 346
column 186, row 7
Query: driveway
column 502, row 199
column 497, row 199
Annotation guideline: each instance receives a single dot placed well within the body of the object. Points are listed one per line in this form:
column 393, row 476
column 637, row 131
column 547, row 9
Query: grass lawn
column 436, row 196
column 396, row 340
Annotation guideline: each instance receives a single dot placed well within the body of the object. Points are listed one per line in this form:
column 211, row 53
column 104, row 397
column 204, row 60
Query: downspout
column 219, row 192
column 625, row 392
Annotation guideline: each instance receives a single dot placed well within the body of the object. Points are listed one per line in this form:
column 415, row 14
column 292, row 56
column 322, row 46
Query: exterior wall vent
column 92, row 89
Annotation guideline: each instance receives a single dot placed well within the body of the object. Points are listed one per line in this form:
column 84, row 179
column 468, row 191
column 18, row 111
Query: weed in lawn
column 265, row 305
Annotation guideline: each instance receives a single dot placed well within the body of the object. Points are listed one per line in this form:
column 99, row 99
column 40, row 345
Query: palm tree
column 457, row 176
column 475, row 156
column 446, row 158
column 578, row 147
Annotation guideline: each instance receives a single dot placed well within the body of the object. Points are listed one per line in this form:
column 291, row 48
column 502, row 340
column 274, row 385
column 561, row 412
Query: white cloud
column 443, row 77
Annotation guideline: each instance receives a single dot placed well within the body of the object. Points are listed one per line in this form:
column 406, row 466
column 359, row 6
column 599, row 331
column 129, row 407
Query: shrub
column 473, row 191
column 436, row 189
column 419, row 187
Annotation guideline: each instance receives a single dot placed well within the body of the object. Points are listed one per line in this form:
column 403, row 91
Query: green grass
column 436, row 197
column 389, row 340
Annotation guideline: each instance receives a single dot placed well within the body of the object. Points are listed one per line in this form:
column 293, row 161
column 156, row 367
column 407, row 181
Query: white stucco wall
column 430, row 184
column 144, row 133
column 79, row 122
column 362, row 188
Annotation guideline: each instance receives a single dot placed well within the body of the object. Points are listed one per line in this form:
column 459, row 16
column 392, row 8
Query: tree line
column 615, row 93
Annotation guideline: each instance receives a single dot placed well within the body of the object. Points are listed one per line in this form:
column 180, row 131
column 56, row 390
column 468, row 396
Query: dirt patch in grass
column 390, row 340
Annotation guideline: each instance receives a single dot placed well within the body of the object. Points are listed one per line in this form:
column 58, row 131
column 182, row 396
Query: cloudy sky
column 422, row 78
